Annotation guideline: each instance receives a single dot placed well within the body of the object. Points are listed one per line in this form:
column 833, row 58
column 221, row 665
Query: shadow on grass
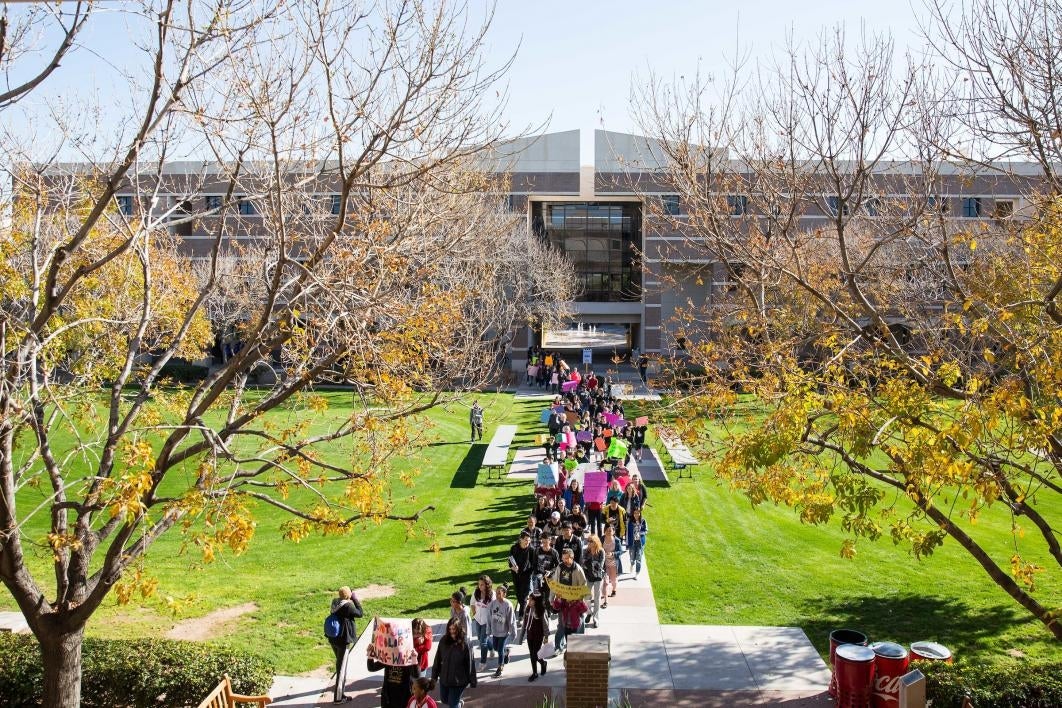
column 907, row 619
column 468, row 470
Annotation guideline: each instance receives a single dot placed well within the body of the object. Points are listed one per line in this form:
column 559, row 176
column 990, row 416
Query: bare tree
column 334, row 213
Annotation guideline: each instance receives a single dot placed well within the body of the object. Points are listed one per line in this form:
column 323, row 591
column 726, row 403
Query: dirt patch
column 374, row 591
column 210, row 625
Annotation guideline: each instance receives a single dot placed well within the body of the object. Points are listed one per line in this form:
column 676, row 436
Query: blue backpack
column 333, row 626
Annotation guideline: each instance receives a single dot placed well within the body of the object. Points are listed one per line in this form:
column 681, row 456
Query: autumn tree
column 874, row 359
column 333, row 207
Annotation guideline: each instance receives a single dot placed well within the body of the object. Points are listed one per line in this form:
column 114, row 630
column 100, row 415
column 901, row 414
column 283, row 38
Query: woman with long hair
column 536, row 629
column 610, row 544
column 594, row 567
column 455, row 665
column 481, row 599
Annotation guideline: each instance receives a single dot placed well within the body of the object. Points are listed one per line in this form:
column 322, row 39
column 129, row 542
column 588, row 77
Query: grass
column 714, row 559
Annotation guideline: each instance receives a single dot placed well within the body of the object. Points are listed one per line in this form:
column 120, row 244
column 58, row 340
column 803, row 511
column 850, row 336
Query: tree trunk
column 62, row 667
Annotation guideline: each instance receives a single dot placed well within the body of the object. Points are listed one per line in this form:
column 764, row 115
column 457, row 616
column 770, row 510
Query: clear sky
column 577, row 58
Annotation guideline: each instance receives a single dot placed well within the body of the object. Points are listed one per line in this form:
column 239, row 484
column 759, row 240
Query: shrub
column 1000, row 685
column 135, row 673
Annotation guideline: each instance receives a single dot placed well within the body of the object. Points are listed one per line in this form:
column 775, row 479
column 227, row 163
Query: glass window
column 670, row 204
column 937, row 205
column 737, row 204
column 836, row 205
column 246, row 207
column 971, row 207
column 125, row 204
column 213, row 201
column 872, row 206
column 336, row 202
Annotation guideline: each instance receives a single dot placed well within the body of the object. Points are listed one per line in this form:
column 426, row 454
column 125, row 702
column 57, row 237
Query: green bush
column 1002, row 685
column 143, row 672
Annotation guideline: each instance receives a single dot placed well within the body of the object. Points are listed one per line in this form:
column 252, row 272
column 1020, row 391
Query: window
column 335, row 203
column 971, row 207
column 836, row 205
column 737, row 204
column 125, row 204
column 670, row 204
column 872, row 206
column 246, row 207
column 936, row 204
column 213, row 201
column 1004, row 208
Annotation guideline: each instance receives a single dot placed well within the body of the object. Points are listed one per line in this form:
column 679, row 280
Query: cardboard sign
column 558, row 409
column 588, row 356
column 545, row 415
column 567, row 592
column 570, row 463
column 584, row 436
column 641, row 421
column 542, row 439
column 600, row 444
column 617, row 448
column 620, row 424
column 559, row 437
column 612, row 418
column 570, row 439
column 532, row 371
column 547, row 475
column 595, row 486
column 563, row 447
column 392, row 642
column 571, row 417
column 569, row 386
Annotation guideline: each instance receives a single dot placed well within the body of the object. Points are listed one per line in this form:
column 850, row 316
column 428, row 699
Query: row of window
column 969, row 207
column 213, row 202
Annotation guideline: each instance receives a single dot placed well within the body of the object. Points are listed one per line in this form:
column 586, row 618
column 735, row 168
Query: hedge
column 133, row 673
column 998, row 685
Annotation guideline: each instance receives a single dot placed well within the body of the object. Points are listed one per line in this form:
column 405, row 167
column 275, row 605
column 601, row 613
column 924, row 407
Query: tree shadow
column 468, row 471
column 906, row 619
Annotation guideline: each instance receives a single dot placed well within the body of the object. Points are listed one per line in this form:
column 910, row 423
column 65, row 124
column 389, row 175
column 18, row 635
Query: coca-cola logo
column 887, row 688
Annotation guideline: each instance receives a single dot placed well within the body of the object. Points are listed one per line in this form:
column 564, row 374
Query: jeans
column 484, row 638
column 636, row 556
column 451, row 695
column 560, row 637
column 595, row 602
column 499, row 649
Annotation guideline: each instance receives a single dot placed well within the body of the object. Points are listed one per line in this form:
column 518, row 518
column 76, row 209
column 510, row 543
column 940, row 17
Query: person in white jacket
column 502, row 625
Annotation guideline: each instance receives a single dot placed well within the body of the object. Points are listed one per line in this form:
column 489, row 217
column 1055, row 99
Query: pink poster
column 569, row 386
column 611, row 418
column 595, row 486
column 641, row 421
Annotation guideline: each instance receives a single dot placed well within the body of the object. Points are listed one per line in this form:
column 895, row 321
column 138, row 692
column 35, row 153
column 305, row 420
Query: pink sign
column 611, row 418
column 595, row 486
column 641, row 421
column 571, row 439
column 569, row 386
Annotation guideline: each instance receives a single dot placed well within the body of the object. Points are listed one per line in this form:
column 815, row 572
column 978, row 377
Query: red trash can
column 837, row 638
column 890, row 664
column 930, row 651
column 854, row 670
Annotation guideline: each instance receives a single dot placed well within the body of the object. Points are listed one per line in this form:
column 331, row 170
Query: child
column 420, row 698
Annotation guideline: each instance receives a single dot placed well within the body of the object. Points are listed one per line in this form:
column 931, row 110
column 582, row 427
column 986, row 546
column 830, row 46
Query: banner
column 595, row 486
column 617, row 449
column 641, row 421
column 567, row 592
column 584, row 436
column 569, row 386
column 612, row 418
column 392, row 642
column 570, row 439
column 547, row 476
column 545, row 415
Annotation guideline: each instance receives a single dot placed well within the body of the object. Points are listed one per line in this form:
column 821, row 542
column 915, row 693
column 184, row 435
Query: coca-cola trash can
column 930, row 651
column 890, row 664
column 837, row 638
column 854, row 669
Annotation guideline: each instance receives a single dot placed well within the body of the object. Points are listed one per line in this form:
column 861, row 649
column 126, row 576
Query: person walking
column 570, row 611
column 422, row 643
column 637, row 528
column 522, row 566
column 481, row 599
column 611, row 545
column 643, row 368
column 502, row 626
column 536, row 630
column 475, row 420
column 594, row 568
column 420, row 697
column 454, row 668
column 347, row 609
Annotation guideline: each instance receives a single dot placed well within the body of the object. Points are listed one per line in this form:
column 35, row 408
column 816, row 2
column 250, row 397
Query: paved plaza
column 652, row 665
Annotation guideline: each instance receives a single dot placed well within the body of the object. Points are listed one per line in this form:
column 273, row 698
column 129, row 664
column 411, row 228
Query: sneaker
column 532, row 677
column 497, row 673
column 482, row 666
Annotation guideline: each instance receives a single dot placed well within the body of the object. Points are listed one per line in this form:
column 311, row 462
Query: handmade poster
column 547, row 475
column 567, row 592
column 600, row 444
column 571, row 417
column 542, row 439
column 545, row 415
column 392, row 642
column 584, row 436
column 570, row 463
column 563, row 447
column 617, row 449
column 595, row 486
column 641, row 421
column 611, row 418
column 559, row 437
column 569, row 438
column 532, row 371
column 569, row 386
column 619, row 424
column 607, row 433
column 558, row 409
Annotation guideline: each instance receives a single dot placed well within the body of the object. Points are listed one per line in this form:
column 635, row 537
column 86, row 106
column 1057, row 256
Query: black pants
column 533, row 645
column 522, row 581
column 477, row 428
column 340, row 650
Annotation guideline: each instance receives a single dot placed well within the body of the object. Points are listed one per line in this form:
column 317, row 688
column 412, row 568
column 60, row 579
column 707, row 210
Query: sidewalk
column 652, row 665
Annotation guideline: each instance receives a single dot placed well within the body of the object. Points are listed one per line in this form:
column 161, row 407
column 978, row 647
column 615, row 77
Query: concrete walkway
column 652, row 665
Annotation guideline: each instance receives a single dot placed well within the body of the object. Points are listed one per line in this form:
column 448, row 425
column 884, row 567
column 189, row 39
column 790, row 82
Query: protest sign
column 545, row 415
column 547, row 475
column 569, row 386
column 558, row 409
column 570, row 463
column 595, row 486
column 571, row 417
column 617, row 449
column 611, row 418
column 567, row 592
column 584, row 436
column 392, row 642
column 641, row 421
column 569, row 438
column 600, row 444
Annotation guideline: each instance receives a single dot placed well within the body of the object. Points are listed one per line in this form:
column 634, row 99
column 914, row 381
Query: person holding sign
column 454, row 669
column 568, row 585
column 394, row 650
column 347, row 609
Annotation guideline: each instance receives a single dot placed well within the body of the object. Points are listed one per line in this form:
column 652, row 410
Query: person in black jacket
column 348, row 609
column 522, row 564
column 455, row 665
column 397, row 684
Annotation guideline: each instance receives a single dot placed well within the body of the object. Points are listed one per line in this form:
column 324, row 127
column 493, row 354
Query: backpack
column 333, row 626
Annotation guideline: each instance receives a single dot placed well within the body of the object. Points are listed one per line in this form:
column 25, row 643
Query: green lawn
column 714, row 560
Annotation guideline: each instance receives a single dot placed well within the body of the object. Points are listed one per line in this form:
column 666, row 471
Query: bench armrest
column 260, row 700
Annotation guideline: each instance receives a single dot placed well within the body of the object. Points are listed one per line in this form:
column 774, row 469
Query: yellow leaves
column 61, row 543
column 1024, row 572
column 848, row 549
column 131, row 584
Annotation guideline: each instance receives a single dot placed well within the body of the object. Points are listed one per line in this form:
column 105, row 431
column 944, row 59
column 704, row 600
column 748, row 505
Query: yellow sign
column 568, row 592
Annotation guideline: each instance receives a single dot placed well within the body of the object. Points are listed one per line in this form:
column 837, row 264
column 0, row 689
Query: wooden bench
column 498, row 451
column 681, row 457
column 223, row 697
